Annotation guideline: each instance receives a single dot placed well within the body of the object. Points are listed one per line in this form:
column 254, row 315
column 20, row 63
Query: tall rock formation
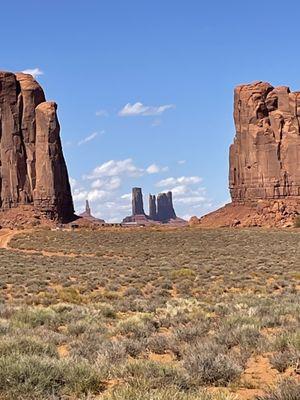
column 88, row 217
column 265, row 156
column 161, row 210
column 152, row 207
column 32, row 166
column 165, row 209
column 264, row 160
column 87, row 208
column 137, row 202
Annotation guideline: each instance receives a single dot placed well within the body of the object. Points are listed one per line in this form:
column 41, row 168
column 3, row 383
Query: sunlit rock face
column 265, row 155
column 32, row 166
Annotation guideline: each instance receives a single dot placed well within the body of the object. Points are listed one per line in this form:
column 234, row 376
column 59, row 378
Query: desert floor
column 141, row 314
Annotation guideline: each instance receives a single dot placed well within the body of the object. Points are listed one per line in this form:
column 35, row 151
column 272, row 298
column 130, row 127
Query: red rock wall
column 265, row 155
column 32, row 166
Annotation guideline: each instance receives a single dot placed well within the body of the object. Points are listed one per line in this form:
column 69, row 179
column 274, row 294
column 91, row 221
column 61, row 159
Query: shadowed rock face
column 137, row 202
column 265, row 155
column 165, row 209
column 152, row 207
column 33, row 169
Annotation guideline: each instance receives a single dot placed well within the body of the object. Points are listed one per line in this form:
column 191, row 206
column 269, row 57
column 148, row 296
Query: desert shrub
column 31, row 377
column 286, row 390
column 137, row 326
column 26, row 345
column 34, row 317
column 297, row 222
column 156, row 375
column 210, row 364
column 247, row 336
column 159, row 343
column 107, row 310
column 113, row 352
column 141, row 391
column 183, row 273
column 285, row 359
column 134, row 347
column 70, row 295
column 192, row 331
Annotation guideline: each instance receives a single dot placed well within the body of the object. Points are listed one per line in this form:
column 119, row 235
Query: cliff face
column 265, row 156
column 264, row 172
column 32, row 166
column 161, row 209
column 152, row 207
column 137, row 202
column 165, row 209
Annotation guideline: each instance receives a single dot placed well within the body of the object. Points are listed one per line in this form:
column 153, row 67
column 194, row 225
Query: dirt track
column 5, row 237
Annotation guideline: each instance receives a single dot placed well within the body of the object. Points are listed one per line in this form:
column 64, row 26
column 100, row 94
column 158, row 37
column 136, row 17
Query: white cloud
column 35, row 72
column 111, row 183
column 138, row 108
column 101, row 113
column 103, row 187
column 126, row 196
column 89, row 138
column 180, row 162
column 156, row 122
column 183, row 180
column 155, row 169
column 116, row 168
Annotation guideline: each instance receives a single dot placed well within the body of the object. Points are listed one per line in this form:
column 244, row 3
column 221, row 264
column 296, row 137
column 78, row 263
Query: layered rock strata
column 32, row 166
column 264, row 160
column 265, row 155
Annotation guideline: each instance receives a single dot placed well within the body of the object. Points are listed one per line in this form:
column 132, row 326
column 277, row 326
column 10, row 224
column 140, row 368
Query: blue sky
column 145, row 88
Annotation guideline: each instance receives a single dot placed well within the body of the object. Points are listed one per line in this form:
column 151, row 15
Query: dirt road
column 5, row 237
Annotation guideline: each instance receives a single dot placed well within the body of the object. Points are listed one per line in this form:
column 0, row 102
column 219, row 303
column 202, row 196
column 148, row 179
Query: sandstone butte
column 161, row 210
column 33, row 171
column 264, row 159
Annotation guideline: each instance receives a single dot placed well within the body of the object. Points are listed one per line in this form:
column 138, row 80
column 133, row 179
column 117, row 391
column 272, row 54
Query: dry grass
column 182, row 314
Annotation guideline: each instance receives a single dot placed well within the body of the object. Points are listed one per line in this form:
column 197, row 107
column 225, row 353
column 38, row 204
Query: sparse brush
column 288, row 389
column 210, row 364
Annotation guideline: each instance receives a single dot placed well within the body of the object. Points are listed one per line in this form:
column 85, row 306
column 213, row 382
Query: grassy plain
column 143, row 314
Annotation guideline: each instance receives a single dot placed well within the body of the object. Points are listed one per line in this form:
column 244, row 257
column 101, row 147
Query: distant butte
column 161, row 209
column 264, row 162
column 87, row 215
column 33, row 171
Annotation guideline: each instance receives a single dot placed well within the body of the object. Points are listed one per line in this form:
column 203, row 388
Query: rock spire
column 32, row 166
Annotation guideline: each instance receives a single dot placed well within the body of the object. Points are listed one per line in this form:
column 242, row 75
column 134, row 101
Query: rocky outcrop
column 33, row 169
column 137, row 202
column 88, row 217
column 264, row 160
column 265, row 156
column 165, row 209
column 152, row 207
column 161, row 210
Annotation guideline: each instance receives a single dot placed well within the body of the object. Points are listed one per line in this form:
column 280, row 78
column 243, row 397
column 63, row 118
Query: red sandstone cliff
column 264, row 160
column 32, row 166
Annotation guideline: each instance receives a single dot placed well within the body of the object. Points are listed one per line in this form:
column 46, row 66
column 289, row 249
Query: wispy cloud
column 35, row 72
column 180, row 162
column 139, row 109
column 89, row 138
column 182, row 180
column 155, row 169
column 116, row 168
column 101, row 113
column 156, row 122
